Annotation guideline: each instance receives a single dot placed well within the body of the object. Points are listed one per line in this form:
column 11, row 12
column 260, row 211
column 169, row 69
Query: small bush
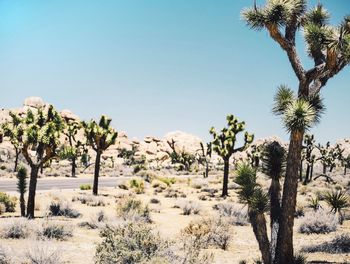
column 299, row 211
column 44, row 253
column 128, row 243
column 85, row 187
column 129, row 208
column 159, row 184
column 199, row 184
column 16, row 229
column 340, row 244
column 167, row 181
column 137, row 185
column 318, row 222
column 190, row 207
column 97, row 221
column 4, row 259
column 237, row 215
column 62, row 208
column 2, row 208
column 154, row 201
column 90, row 200
column 9, row 202
column 52, row 230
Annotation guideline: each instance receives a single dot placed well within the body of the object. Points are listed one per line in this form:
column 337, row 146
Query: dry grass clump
column 97, row 221
column 55, row 230
column 318, row 222
column 236, row 214
column 129, row 243
column 188, row 207
column 16, row 229
column 43, row 253
column 90, row 200
column 131, row 209
column 138, row 186
column 4, row 258
column 340, row 244
column 59, row 207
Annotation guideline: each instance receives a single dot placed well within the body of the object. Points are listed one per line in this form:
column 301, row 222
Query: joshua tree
column 224, row 144
column 254, row 155
column 22, row 188
column 329, row 48
column 257, row 200
column 308, row 148
column 204, row 157
column 13, row 131
column 181, row 157
column 338, row 201
column 345, row 162
column 329, row 156
column 273, row 165
column 38, row 136
column 100, row 136
column 72, row 150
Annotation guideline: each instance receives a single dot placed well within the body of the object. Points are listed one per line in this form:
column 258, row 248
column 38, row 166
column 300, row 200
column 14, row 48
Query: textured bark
column 284, row 248
column 16, row 159
column 32, row 189
column 258, row 222
column 275, row 203
column 97, row 173
column 225, row 181
column 73, row 167
column 22, row 205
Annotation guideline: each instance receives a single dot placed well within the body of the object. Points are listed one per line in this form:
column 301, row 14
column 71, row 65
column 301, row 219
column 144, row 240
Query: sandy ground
column 168, row 221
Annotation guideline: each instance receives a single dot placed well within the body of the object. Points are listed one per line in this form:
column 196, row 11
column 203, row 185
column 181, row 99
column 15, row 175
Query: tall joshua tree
column 38, row 137
column 308, row 147
column 224, row 145
column 72, row 150
column 100, row 136
column 13, row 132
column 329, row 48
column 22, row 188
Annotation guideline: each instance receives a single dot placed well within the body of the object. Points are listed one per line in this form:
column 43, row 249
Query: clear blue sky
column 155, row 66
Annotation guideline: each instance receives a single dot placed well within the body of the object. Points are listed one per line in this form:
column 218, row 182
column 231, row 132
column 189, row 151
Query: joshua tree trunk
column 311, row 171
column 284, row 248
column 258, row 222
column 22, row 205
column 206, row 173
column 73, row 167
column 97, row 173
column 301, row 171
column 225, row 182
column 275, row 201
column 18, row 151
column 345, row 167
column 324, row 169
column 307, row 175
column 32, row 189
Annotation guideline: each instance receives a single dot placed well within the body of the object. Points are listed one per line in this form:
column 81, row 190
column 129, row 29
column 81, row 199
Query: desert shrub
column 137, row 185
column 2, row 208
column 237, row 215
column 4, row 259
column 90, row 200
column 16, row 229
column 300, row 259
column 190, row 207
column 62, row 208
column 167, row 181
column 199, row 183
column 129, row 208
column 209, row 232
column 96, row 221
column 318, row 222
column 8, row 201
column 154, row 201
column 44, row 253
column 147, row 175
column 173, row 193
column 159, row 184
column 299, row 211
column 128, row 243
column 340, row 244
column 85, row 187
column 53, row 230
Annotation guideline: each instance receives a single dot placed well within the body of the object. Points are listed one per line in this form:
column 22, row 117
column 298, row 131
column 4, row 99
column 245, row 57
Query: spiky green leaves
column 273, row 160
column 337, row 200
column 22, row 179
column 276, row 12
column 249, row 191
column 318, row 16
column 224, row 143
column 297, row 113
column 101, row 135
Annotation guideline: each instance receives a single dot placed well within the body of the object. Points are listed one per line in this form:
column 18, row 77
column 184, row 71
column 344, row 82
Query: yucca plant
column 250, row 193
column 224, row 144
column 22, row 188
column 329, row 49
column 314, row 203
column 73, row 147
column 100, row 136
column 338, row 201
column 13, row 131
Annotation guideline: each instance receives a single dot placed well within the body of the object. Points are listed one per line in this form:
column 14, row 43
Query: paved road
column 62, row 183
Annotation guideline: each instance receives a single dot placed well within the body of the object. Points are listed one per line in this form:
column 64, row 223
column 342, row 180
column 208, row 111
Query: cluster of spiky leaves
column 297, row 113
column 274, row 160
column 224, row 142
column 324, row 42
column 72, row 147
column 337, row 200
column 100, row 135
column 250, row 192
column 22, row 180
column 39, row 131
